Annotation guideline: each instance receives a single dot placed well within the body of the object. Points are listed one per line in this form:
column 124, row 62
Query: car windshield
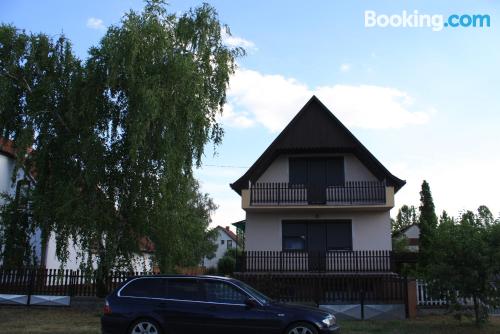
column 257, row 294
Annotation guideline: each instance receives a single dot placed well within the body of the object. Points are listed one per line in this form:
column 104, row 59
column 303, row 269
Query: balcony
column 353, row 194
column 359, row 261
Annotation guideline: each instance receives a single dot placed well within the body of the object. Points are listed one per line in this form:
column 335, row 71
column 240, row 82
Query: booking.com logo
column 416, row 20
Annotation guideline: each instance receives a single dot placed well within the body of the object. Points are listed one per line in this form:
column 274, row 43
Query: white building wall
column 370, row 230
column 413, row 232
column 140, row 262
column 7, row 165
column 6, row 169
column 354, row 170
column 221, row 249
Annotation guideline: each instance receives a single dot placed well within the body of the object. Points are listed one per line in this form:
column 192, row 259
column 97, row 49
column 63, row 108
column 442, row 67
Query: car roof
column 184, row 276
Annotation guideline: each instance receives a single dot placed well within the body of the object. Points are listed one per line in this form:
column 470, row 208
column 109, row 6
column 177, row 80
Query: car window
column 184, row 289
column 145, row 287
column 222, row 292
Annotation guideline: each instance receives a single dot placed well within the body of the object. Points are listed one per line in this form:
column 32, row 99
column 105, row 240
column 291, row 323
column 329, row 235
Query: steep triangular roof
column 316, row 130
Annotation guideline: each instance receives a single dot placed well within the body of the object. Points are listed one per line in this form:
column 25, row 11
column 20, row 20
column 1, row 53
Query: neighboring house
column 46, row 254
column 12, row 187
column 226, row 239
column 412, row 235
column 317, row 190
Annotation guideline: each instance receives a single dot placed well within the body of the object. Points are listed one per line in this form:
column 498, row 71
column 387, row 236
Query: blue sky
column 425, row 103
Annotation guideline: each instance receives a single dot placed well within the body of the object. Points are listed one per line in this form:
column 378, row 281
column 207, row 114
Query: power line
column 225, row 166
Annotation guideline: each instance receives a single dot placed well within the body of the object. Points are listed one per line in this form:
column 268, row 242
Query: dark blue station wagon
column 205, row 304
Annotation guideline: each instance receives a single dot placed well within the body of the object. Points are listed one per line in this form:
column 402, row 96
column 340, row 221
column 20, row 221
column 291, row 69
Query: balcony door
column 316, row 174
column 316, row 181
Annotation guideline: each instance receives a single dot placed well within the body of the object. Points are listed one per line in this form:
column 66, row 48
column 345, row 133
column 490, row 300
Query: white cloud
column 236, row 120
column 272, row 101
column 235, row 41
column 95, row 23
column 345, row 68
column 448, row 181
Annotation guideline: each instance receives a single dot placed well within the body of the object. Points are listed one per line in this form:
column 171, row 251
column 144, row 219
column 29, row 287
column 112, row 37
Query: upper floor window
column 317, row 171
column 229, row 244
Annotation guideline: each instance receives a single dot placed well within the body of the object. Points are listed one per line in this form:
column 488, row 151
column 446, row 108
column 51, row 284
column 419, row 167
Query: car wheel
column 301, row 328
column 145, row 326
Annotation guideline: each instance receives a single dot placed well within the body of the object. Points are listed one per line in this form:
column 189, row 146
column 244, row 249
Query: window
column 327, row 171
column 221, row 292
column 229, row 244
column 145, row 287
column 222, row 242
column 184, row 289
column 317, row 236
column 339, row 235
column 294, row 236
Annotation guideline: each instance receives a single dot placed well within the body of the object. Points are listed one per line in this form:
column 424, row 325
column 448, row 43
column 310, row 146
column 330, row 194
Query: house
column 44, row 254
column 13, row 185
column 317, row 193
column 226, row 239
column 411, row 234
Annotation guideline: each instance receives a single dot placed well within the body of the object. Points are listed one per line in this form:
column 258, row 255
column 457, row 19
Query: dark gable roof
column 315, row 130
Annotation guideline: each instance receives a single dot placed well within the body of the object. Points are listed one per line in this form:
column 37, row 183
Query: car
column 176, row 304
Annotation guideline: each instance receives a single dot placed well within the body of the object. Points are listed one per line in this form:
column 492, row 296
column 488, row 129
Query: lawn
column 16, row 320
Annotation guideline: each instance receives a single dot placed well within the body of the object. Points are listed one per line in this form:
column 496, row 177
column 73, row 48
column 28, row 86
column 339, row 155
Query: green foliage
column 464, row 261
column 17, row 230
column 427, row 222
column 115, row 137
column 226, row 265
column 407, row 216
column 400, row 244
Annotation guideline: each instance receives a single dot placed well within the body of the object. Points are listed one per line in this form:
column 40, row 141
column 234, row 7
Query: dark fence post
column 31, row 284
column 362, row 302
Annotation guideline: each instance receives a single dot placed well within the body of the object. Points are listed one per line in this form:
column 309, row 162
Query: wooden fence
column 334, row 261
column 57, row 282
column 330, row 288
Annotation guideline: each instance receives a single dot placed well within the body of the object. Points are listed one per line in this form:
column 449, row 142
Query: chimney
column 227, row 228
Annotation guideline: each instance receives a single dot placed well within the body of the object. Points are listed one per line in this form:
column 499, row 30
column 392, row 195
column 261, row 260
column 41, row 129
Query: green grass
column 17, row 320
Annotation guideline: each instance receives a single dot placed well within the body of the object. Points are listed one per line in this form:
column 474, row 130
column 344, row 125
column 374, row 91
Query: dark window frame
column 293, row 222
column 306, row 223
column 328, row 160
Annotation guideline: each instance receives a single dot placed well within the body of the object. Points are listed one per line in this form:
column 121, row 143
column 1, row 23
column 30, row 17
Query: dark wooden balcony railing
column 333, row 261
column 351, row 193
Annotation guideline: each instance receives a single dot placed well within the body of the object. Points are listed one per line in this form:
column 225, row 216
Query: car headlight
column 329, row 320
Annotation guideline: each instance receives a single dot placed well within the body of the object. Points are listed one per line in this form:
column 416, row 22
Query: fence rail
column 334, row 261
column 57, row 282
column 330, row 289
column 351, row 193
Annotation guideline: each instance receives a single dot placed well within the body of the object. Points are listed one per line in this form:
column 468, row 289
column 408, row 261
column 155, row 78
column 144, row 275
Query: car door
column 183, row 310
column 230, row 314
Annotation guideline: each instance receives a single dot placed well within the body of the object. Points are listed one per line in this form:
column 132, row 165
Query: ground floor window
column 317, row 236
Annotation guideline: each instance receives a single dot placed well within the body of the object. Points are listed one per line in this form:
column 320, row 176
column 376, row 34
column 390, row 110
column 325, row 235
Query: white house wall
column 7, row 165
column 221, row 249
column 353, row 168
column 370, row 230
column 413, row 232
column 140, row 262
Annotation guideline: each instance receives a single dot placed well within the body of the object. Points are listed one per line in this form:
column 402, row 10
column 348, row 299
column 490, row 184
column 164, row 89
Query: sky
column 424, row 102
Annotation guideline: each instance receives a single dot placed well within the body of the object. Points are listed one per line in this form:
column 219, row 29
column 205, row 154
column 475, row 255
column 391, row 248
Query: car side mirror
column 251, row 303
